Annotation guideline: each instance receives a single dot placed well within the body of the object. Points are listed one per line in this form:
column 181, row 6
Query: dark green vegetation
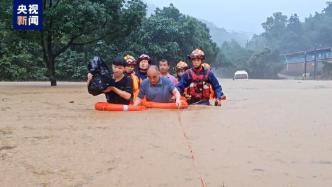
column 76, row 30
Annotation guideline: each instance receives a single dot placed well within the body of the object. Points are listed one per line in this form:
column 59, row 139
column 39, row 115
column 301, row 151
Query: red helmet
column 197, row 53
column 182, row 65
column 130, row 60
column 144, row 57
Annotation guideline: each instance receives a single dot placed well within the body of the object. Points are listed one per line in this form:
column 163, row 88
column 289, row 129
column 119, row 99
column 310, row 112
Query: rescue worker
column 198, row 80
column 130, row 71
column 181, row 68
column 144, row 62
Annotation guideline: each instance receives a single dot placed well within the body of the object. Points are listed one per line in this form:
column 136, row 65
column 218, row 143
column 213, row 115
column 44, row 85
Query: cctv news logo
column 27, row 15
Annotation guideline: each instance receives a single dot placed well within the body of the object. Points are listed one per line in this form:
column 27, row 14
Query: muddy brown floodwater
column 268, row 133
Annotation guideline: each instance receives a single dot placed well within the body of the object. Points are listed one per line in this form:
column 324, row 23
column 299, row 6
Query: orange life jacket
column 212, row 96
column 199, row 87
column 136, row 85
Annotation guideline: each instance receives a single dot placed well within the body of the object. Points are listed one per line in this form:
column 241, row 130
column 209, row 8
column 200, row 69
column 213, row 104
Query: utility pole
column 305, row 65
column 315, row 64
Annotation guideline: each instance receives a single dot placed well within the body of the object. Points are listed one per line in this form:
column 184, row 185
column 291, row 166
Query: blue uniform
column 142, row 75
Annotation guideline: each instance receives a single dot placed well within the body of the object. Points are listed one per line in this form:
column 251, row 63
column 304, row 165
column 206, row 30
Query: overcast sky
column 242, row 15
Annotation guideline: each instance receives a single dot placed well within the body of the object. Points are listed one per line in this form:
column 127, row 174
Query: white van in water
column 242, row 74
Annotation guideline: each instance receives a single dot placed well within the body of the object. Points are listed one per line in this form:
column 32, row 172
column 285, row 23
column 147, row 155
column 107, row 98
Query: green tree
column 233, row 57
column 293, row 37
column 264, row 64
column 69, row 23
column 274, row 28
column 171, row 35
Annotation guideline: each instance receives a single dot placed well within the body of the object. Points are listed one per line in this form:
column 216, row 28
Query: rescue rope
column 188, row 145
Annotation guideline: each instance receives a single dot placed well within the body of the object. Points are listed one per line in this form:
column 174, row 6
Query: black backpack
column 102, row 77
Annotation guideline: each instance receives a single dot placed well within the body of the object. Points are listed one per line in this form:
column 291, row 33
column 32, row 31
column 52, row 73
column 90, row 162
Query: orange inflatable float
column 103, row 106
column 149, row 104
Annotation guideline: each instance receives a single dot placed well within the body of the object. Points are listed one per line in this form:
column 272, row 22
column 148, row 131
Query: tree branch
column 56, row 4
column 88, row 42
column 63, row 49
column 42, row 42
